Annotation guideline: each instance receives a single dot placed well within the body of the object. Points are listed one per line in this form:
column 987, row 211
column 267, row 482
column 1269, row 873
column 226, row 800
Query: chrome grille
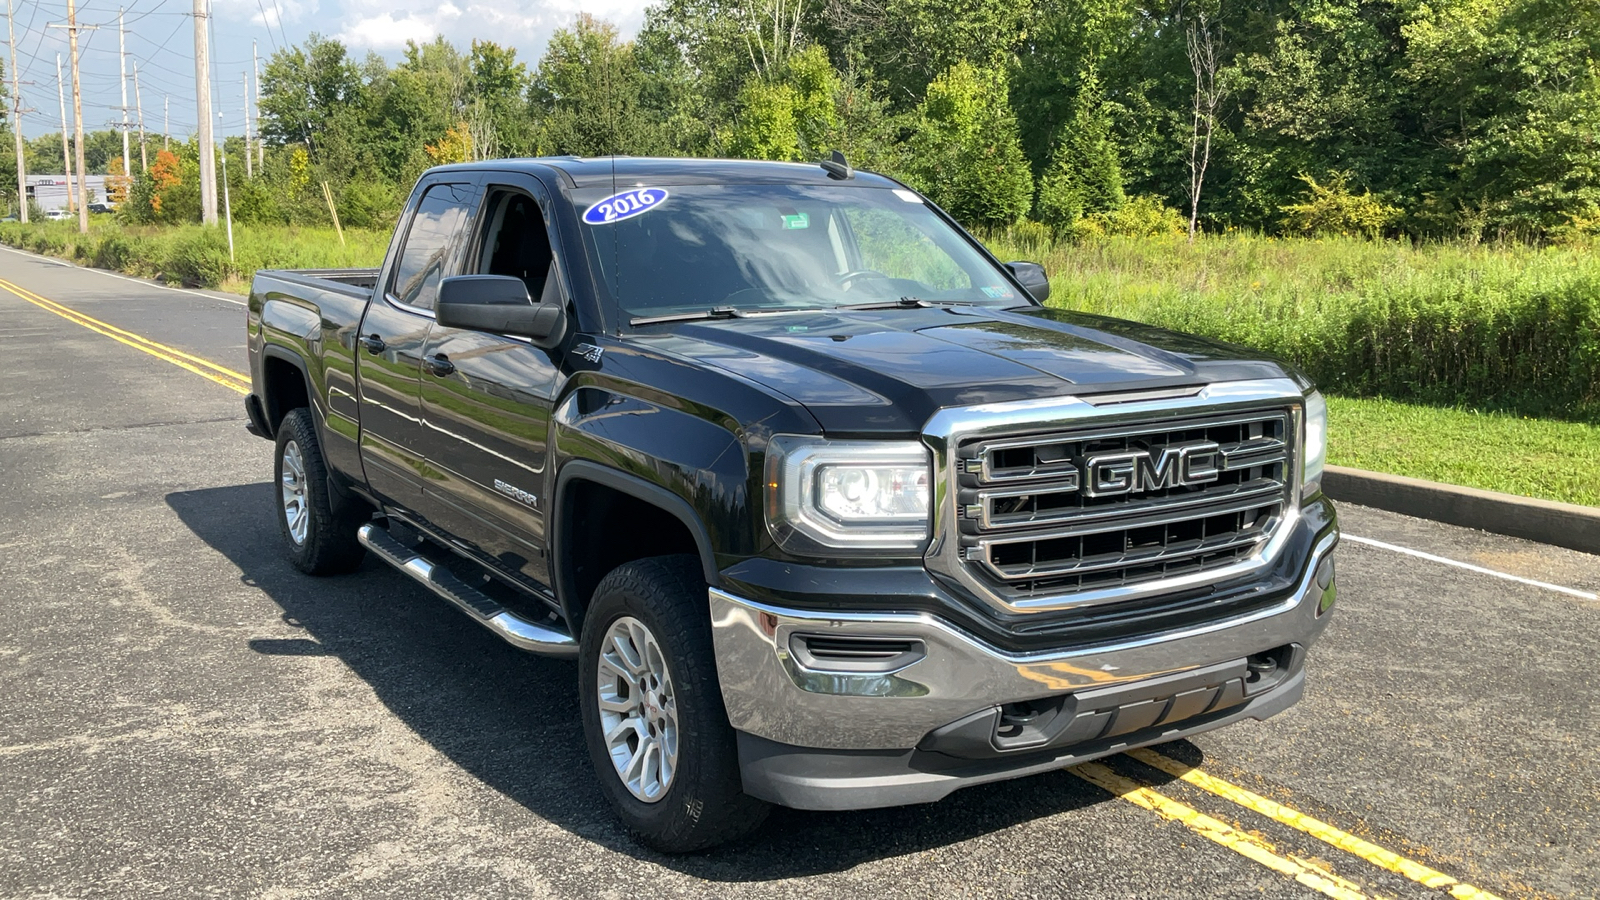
column 1035, row 518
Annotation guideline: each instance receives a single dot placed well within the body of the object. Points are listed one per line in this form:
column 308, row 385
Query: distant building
column 50, row 191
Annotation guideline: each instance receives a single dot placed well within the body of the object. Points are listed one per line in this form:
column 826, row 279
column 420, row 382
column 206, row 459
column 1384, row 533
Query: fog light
column 1325, row 582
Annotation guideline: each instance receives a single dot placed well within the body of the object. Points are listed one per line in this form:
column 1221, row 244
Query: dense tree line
column 1428, row 118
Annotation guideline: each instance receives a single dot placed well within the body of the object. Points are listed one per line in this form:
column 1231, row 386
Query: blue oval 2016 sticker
column 625, row 205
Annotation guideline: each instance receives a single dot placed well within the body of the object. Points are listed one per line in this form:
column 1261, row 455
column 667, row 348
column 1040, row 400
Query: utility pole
column 77, row 112
column 249, row 158
column 166, row 122
column 66, row 148
column 122, row 78
column 138, row 104
column 77, row 119
column 202, row 91
column 16, row 115
column 261, row 145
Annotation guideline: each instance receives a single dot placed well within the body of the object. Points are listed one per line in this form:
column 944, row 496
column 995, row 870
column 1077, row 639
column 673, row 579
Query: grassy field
column 198, row 257
column 1514, row 328
column 1493, row 451
column 1435, row 321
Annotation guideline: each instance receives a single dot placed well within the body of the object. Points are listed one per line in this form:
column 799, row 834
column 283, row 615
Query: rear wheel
column 653, row 717
column 321, row 542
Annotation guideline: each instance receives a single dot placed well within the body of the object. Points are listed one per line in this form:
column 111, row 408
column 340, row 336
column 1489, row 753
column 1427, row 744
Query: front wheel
column 653, row 717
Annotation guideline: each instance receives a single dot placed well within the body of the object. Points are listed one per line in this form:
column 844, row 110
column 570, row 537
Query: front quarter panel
column 690, row 431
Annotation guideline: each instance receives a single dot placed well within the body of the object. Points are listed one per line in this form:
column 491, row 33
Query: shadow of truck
column 511, row 719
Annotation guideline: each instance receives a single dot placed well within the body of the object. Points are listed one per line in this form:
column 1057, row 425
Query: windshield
column 747, row 248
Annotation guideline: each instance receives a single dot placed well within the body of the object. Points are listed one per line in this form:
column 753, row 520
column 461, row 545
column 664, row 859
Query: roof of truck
column 597, row 171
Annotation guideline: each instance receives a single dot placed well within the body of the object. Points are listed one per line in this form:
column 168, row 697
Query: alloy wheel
column 638, row 709
column 296, row 513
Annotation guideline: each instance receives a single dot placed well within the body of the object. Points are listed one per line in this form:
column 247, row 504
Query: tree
column 1333, row 208
column 586, row 93
column 498, row 87
column 1067, row 43
column 454, row 147
column 423, row 97
column 909, row 42
column 151, row 188
column 966, row 153
column 1511, row 90
column 1205, row 61
column 1316, row 90
column 790, row 113
column 698, row 54
column 118, row 184
column 771, row 32
column 304, row 88
column 1085, row 176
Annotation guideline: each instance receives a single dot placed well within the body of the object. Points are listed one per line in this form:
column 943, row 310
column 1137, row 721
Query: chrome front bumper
column 771, row 695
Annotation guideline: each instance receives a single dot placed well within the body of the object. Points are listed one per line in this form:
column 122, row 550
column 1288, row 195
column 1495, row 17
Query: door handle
column 374, row 344
column 438, row 364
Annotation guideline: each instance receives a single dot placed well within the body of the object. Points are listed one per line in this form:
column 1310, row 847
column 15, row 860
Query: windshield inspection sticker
column 797, row 220
column 625, row 205
column 998, row 293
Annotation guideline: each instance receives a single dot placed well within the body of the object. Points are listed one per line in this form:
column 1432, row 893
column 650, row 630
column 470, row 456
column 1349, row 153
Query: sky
column 160, row 40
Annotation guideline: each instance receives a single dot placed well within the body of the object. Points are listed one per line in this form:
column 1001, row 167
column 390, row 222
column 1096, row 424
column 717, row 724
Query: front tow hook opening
column 1264, row 671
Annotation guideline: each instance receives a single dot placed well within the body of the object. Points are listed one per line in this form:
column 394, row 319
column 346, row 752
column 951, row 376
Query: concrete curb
column 1560, row 524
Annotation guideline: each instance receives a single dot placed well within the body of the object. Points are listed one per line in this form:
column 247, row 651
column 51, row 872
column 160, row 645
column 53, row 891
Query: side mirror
column 500, row 304
column 1033, row 278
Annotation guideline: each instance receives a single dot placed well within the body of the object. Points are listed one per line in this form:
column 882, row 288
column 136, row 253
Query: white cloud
column 274, row 15
column 380, row 25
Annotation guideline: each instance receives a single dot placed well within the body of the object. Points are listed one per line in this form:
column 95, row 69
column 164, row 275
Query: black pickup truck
column 830, row 509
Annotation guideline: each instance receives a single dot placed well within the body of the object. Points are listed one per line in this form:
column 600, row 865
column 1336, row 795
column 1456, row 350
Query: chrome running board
column 485, row 610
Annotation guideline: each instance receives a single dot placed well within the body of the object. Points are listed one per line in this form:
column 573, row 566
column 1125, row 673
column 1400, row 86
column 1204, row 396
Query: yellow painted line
column 222, row 375
column 1322, row 831
column 1219, row 832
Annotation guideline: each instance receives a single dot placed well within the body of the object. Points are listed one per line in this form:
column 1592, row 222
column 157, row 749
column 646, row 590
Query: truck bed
column 353, row 282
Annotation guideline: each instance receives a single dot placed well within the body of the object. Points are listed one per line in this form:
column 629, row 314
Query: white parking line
column 1586, row 595
column 139, row 281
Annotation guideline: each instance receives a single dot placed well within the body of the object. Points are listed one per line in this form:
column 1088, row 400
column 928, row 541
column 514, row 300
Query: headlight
column 850, row 497
column 1315, row 453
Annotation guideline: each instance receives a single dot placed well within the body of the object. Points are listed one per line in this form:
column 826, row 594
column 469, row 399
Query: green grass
column 198, row 257
column 1515, row 328
column 1493, row 451
column 1410, row 311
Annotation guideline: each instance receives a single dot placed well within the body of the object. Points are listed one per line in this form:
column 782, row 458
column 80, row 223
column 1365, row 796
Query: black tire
column 704, row 803
column 329, row 545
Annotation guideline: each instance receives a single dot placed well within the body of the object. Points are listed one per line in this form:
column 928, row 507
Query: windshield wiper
column 728, row 312
column 906, row 303
column 715, row 312
column 733, row 312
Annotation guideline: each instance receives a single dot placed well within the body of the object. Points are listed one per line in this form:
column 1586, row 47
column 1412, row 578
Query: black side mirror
column 500, row 304
column 1033, row 278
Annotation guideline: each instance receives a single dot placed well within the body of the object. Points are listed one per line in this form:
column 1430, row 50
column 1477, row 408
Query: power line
column 285, row 34
column 263, row 8
column 149, row 52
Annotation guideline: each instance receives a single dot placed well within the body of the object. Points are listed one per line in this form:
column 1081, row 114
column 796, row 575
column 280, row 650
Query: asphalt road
column 183, row 714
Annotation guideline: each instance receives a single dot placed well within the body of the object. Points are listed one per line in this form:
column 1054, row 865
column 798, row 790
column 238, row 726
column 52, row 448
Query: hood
column 890, row 370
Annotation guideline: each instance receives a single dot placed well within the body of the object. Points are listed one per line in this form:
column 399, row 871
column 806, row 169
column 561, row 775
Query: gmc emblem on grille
column 1136, row 471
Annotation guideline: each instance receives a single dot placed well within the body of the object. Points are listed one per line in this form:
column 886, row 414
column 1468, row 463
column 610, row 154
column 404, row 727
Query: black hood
column 890, row 370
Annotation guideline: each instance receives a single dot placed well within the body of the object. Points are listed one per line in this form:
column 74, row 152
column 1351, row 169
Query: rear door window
column 429, row 243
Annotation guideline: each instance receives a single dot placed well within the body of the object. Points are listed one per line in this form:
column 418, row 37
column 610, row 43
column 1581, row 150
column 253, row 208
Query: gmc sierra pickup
column 830, row 509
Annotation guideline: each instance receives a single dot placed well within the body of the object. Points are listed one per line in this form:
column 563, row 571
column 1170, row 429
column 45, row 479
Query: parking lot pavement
column 184, row 713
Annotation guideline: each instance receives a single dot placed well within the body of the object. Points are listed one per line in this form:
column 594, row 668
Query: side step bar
column 512, row 628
